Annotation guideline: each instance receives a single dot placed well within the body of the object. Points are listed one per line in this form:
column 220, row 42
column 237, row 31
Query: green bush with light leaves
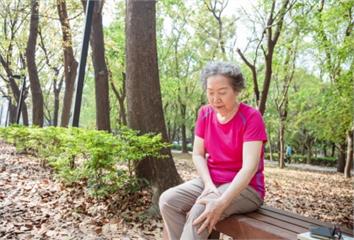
column 105, row 161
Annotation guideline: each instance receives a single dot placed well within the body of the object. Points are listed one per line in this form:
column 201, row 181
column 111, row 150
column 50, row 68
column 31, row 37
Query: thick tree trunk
column 144, row 95
column 37, row 96
column 341, row 158
column 100, row 67
column 349, row 159
column 70, row 64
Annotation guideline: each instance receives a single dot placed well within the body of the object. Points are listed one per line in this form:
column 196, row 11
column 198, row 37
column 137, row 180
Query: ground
column 34, row 205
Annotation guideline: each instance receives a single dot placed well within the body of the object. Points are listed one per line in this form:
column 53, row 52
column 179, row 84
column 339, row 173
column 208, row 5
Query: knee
column 195, row 212
column 166, row 199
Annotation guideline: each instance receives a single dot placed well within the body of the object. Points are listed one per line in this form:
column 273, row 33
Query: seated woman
column 228, row 155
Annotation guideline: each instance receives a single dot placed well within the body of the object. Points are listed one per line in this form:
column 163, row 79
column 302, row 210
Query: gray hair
column 226, row 69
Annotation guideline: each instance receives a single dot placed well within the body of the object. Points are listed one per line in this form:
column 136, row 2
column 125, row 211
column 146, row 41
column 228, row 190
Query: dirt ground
column 34, row 205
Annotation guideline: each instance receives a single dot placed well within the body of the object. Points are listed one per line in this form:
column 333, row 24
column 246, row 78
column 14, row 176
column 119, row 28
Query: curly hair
column 226, row 69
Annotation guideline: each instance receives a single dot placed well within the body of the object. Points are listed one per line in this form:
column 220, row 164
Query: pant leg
column 247, row 201
column 176, row 202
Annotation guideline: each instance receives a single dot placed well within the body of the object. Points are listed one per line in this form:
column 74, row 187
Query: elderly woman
column 228, row 155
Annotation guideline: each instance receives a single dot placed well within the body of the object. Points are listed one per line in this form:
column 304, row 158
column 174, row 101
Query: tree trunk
column 143, row 93
column 281, row 144
column 309, row 153
column 12, row 114
column 341, row 158
column 56, row 90
column 120, row 95
column 333, row 149
column 184, row 138
column 349, row 159
column 70, row 64
column 270, row 149
column 325, row 149
column 100, row 68
column 183, row 129
column 37, row 96
column 15, row 89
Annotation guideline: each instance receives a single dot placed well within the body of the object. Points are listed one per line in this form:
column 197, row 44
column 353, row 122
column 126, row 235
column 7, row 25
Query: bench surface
column 269, row 223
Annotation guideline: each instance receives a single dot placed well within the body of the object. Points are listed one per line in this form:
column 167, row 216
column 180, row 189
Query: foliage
column 320, row 108
column 98, row 155
column 298, row 158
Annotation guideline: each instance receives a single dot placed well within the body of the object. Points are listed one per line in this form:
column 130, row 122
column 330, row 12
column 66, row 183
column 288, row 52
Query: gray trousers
column 176, row 202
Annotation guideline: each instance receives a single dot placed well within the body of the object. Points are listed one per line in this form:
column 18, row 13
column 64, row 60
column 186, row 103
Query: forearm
column 239, row 183
column 201, row 165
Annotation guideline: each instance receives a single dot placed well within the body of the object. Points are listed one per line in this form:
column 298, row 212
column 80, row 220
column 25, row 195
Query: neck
column 229, row 115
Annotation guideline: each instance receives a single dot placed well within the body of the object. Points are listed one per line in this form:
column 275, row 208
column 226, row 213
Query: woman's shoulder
column 248, row 110
column 205, row 108
column 205, row 111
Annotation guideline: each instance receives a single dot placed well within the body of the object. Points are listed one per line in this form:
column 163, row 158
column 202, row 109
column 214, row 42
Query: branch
column 279, row 25
column 250, row 65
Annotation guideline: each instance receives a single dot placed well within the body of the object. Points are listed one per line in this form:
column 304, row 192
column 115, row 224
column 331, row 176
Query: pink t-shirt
column 224, row 143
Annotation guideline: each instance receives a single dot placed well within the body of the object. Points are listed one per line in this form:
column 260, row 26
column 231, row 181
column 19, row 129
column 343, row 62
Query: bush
column 79, row 154
column 298, row 158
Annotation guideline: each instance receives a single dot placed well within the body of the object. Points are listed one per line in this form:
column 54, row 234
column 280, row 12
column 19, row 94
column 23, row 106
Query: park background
column 296, row 56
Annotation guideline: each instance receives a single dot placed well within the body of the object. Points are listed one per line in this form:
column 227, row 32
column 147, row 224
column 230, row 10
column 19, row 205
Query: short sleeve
column 200, row 123
column 255, row 128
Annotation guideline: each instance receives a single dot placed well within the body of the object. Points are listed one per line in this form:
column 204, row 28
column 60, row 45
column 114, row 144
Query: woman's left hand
column 211, row 215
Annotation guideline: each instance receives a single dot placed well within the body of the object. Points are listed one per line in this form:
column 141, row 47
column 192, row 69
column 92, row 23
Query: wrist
column 224, row 201
column 208, row 184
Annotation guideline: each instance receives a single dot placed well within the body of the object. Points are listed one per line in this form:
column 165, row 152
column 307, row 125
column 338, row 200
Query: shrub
column 79, row 154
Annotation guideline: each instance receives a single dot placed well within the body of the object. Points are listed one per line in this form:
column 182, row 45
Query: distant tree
column 70, row 63
column 37, row 96
column 272, row 29
column 13, row 19
column 100, row 68
column 332, row 26
column 58, row 80
column 115, row 53
column 143, row 93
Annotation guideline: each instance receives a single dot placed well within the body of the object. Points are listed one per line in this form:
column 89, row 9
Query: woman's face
column 221, row 95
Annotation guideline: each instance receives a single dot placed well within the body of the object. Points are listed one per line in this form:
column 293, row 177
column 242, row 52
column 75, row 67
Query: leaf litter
column 35, row 205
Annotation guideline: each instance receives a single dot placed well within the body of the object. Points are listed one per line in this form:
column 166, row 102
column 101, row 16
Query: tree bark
column 70, row 64
column 57, row 90
column 309, row 152
column 120, row 95
column 100, row 68
column 15, row 89
column 325, row 149
column 281, row 144
column 333, row 149
column 183, row 129
column 349, row 159
column 143, row 93
column 341, row 158
column 37, row 96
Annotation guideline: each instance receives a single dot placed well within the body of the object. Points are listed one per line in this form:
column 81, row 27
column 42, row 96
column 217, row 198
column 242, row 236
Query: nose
column 217, row 99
